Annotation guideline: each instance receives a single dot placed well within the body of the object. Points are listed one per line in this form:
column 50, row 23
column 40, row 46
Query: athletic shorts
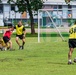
column 20, row 36
column 72, row 43
column 6, row 39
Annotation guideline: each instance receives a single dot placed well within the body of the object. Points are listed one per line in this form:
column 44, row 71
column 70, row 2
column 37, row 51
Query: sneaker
column 1, row 49
column 75, row 60
column 8, row 48
column 4, row 48
column 69, row 63
column 20, row 47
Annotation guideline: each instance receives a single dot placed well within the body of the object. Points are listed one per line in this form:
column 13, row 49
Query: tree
column 67, row 1
column 30, row 6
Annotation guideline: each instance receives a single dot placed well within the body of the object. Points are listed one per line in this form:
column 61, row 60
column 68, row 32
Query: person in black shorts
column 20, row 34
column 72, row 42
column 7, row 37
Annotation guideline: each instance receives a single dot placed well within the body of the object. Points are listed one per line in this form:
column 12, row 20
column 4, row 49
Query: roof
column 54, row 1
column 57, row 2
column 50, row 2
column 4, row 1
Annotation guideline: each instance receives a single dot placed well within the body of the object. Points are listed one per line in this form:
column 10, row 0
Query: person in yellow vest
column 72, row 42
column 20, row 34
column 3, row 46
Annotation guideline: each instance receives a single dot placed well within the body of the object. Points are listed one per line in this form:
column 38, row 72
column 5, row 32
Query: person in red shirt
column 7, row 37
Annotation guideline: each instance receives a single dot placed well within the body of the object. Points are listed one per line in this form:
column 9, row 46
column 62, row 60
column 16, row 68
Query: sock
column 23, row 43
column 70, row 60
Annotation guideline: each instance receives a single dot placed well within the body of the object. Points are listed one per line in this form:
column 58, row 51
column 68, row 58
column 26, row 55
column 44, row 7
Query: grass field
column 45, row 58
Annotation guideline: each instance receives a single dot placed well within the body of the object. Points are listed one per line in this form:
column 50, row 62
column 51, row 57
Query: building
column 7, row 11
column 61, row 10
column 58, row 7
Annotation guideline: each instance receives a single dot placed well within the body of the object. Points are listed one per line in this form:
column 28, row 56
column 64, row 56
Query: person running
column 20, row 34
column 7, row 37
column 71, row 42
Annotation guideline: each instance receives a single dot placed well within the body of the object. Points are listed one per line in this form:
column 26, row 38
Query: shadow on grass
column 44, row 35
column 41, row 35
column 54, row 35
column 9, row 59
column 59, row 63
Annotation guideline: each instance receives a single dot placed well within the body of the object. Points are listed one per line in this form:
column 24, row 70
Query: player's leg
column 1, row 47
column 23, row 42
column 10, row 44
column 6, row 40
column 7, row 45
column 22, row 38
column 1, row 44
column 70, row 55
column 17, row 40
column 71, row 43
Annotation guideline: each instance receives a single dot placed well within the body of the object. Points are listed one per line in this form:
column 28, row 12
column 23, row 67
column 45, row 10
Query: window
column 1, row 8
column 69, row 6
column 60, row 7
column 74, row 6
column 47, row 7
column 12, row 7
column 55, row 6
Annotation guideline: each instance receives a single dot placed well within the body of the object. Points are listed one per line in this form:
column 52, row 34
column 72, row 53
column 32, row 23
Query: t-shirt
column 8, row 33
column 72, row 32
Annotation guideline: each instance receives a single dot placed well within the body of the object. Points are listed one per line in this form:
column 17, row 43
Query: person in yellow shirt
column 20, row 34
column 3, row 46
column 72, row 42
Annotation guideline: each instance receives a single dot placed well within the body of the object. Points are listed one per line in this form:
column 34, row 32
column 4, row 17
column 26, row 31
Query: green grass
column 45, row 58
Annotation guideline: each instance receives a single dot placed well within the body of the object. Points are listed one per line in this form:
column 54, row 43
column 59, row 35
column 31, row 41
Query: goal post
column 42, row 15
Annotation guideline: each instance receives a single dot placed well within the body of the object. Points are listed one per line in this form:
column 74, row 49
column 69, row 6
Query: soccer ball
column 75, row 60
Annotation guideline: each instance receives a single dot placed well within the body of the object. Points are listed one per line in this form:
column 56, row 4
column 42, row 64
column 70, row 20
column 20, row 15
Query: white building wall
column 6, row 10
column 1, row 20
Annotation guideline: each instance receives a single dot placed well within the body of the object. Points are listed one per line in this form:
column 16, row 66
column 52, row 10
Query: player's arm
column 3, row 33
